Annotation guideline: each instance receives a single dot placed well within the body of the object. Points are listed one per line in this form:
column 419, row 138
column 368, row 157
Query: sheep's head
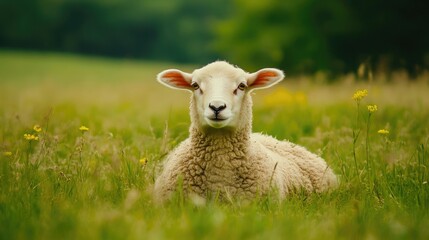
column 219, row 90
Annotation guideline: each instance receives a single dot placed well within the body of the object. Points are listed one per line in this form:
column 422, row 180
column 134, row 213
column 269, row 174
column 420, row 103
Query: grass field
column 63, row 182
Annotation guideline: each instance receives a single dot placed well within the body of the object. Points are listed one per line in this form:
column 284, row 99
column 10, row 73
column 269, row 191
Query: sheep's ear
column 264, row 78
column 176, row 79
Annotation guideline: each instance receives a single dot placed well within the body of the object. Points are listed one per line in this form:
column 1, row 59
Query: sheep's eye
column 195, row 86
column 242, row 86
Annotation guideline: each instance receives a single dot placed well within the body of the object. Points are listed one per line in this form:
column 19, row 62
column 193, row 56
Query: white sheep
column 222, row 156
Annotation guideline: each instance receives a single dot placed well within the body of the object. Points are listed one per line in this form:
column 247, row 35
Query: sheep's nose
column 217, row 106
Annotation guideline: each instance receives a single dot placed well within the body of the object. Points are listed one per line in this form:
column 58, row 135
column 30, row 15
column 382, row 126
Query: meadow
column 82, row 140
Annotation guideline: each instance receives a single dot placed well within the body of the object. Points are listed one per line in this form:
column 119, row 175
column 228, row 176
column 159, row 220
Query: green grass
column 90, row 185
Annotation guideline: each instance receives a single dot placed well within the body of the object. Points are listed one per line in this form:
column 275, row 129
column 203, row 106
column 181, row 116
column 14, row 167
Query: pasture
column 97, row 131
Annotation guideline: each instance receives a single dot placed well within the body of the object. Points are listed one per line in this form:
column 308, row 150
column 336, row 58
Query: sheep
column 222, row 157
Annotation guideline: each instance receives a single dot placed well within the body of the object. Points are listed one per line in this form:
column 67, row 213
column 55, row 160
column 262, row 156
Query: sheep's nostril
column 216, row 107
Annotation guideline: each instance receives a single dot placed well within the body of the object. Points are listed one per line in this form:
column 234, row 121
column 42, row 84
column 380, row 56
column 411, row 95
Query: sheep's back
column 298, row 167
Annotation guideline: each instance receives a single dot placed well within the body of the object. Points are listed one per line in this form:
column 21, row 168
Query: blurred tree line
column 298, row 36
column 174, row 30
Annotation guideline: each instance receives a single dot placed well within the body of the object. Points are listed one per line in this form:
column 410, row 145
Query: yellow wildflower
column 83, row 128
column 31, row 137
column 37, row 128
column 383, row 131
column 7, row 154
column 372, row 108
column 360, row 94
column 143, row 161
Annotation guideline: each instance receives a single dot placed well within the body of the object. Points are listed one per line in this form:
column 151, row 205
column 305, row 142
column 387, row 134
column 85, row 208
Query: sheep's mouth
column 217, row 122
column 217, row 119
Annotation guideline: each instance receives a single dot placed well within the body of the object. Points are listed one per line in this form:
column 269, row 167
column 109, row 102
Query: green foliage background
column 297, row 36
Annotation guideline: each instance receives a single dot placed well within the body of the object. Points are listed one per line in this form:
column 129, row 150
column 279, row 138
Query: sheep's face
column 219, row 90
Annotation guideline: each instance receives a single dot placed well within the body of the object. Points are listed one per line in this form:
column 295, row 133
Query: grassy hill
column 73, row 184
